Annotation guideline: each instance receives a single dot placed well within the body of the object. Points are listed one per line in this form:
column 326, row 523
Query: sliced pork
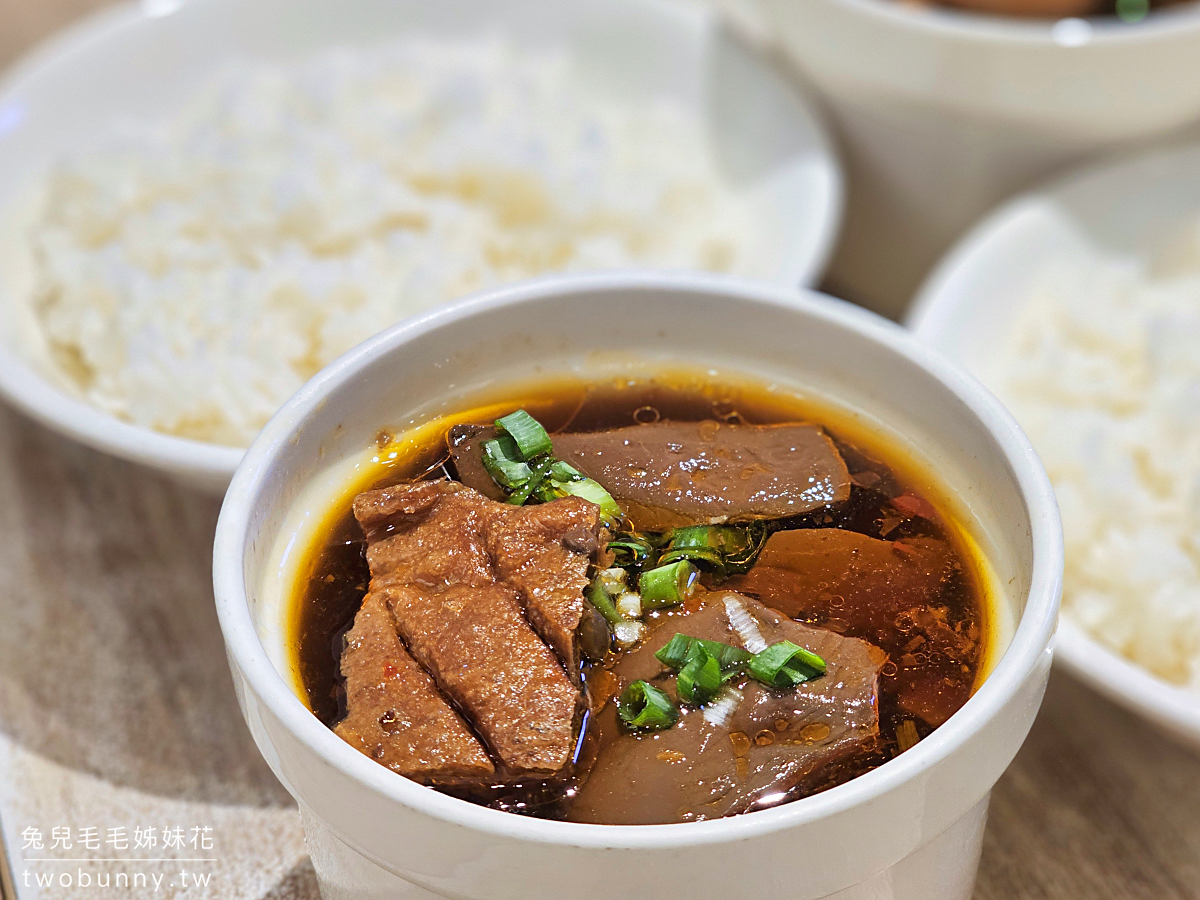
column 459, row 574
column 396, row 714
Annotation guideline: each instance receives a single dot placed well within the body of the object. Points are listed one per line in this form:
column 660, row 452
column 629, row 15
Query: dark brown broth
column 338, row 576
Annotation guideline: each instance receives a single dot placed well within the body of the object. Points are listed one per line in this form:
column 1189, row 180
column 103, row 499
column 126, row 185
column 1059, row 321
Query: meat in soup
column 677, row 604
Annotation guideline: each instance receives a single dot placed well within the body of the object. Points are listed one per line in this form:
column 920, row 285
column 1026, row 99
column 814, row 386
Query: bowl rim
column 56, row 406
column 1030, row 639
column 42, row 400
column 1170, row 706
column 1181, row 22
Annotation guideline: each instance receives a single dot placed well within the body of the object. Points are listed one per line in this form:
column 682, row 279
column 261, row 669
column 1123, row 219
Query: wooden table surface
column 1097, row 804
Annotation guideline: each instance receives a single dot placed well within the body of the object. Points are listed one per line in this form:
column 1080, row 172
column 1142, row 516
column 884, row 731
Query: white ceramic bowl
column 967, row 304
column 137, row 62
column 910, row 829
column 943, row 113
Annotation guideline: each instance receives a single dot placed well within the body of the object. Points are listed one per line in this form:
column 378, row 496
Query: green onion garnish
column 642, row 705
column 700, row 678
column 785, row 665
column 519, row 460
column 728, row 549
column 629, row 550
column 730, row 659
column 531, row 484
column 560, row 471
column 674, row 652
column 594, row 491
column 599, row 598
column 667, row 585
column 531, row 438
column 503, row 462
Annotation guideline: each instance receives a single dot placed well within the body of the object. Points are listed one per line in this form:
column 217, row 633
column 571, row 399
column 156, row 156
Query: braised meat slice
column 456, row 571
column 670, row 474
column 544, row 551
column 878, row 579
column 396, row 715
column 465, row 443
column 891, row 591
column 771, row 746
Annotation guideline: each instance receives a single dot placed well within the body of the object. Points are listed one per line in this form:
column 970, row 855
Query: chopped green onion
column 729, row 549
column 522, row 440
column 630, row 550
column 503, row 462
column 785, row 665
column 532, row 483
column 700, row 678
column 628, row 632
column 530, row 436
column 614, row 579
column 643, row 706
column 667, row 585
column 674, row 653
column 594, row 491
column 560, row 471
column 709, row 537
column 695, row 555
column 629, row 604
column 599, row 598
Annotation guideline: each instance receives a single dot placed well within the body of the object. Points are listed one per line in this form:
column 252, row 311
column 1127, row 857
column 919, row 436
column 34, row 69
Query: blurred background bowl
column 140, row 61
column 1127, row 208
column 942, row 113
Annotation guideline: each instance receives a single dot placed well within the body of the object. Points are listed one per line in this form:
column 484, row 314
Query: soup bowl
column 911, row 828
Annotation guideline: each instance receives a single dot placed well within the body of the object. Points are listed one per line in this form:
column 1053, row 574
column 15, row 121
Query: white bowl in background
column 910, row 829
column 138, row 61
column 942, row 113
column 967, row 305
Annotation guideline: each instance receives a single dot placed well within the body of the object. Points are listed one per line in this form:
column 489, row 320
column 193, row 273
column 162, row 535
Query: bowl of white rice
column 204, row 203
column 1079, row 306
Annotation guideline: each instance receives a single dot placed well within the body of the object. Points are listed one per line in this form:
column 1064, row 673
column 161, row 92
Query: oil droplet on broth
column 741, row 743
column 671, row 756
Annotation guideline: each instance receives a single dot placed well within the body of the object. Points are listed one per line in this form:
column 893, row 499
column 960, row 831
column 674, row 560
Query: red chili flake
column 914, row 506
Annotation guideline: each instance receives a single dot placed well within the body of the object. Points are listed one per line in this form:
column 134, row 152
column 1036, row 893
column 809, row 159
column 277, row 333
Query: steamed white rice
column 1104, row 374
column 192, row 275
